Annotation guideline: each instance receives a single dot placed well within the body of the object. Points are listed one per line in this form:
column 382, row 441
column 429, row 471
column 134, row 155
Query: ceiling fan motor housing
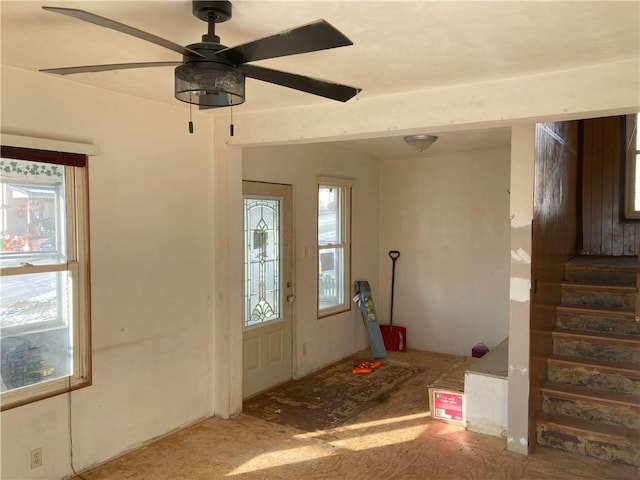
column 209, row 81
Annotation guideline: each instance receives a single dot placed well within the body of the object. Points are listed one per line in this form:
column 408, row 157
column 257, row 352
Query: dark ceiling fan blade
column 121, row 27
column 331, row 90
column 318, row 35
column 104, row 68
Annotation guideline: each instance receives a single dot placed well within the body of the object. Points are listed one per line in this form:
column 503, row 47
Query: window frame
column 76, row 264
column 343, row 244
column 631, row 165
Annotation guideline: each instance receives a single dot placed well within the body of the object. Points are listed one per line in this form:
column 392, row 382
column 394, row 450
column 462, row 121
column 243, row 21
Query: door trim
column 288, row 271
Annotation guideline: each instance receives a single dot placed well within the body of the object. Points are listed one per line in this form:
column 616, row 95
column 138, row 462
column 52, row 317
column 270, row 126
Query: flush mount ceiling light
column 420, row 142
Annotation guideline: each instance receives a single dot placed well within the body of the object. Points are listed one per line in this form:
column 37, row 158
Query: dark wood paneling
column 554, row 240
column 596, row 186
column 604, row 231
column 608, row 207
column 587, row 153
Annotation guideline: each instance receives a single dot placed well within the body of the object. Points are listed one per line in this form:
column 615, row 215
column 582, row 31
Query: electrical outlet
column 36, row 457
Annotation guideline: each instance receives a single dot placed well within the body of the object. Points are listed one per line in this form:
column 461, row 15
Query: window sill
column 334, row 311
column 41, row 391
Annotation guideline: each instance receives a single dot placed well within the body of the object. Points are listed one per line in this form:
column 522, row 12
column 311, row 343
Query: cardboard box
column 447, row 405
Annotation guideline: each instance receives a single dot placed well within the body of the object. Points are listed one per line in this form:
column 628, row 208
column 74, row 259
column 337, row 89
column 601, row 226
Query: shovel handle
column 393, row 254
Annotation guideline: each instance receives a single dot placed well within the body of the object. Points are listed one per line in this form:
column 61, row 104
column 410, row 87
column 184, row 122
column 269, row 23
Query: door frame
column 288, row 287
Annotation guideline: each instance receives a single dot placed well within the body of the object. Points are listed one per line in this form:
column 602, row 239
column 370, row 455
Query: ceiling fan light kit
column 209, row 85
column 212, row 75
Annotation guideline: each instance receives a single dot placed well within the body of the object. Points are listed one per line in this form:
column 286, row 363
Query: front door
column 268, row 289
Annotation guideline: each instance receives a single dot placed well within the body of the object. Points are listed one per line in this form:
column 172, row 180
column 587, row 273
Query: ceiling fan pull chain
column 190, row 115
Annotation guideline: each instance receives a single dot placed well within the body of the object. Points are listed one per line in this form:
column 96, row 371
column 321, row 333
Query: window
column 632, row 189
column 262, row 263
column 333, row 248
column 44, row 294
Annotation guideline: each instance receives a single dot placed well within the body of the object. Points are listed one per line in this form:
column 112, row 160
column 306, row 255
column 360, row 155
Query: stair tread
column 628, row 339
column 586, row 393
column 627, row 369
column 595, row 286
column 595, row 311
column 594, row 430
column 623, row 262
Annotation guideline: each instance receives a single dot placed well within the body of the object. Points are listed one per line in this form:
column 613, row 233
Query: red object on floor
column 359, row 369
column 394, row 337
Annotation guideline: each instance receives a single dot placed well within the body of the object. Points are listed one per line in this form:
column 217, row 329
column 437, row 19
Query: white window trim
column 631, row 129
column 10, row 140
column 77, row 222
column 345, row 225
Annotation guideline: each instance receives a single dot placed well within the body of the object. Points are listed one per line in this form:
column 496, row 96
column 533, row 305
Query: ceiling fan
column 213, row 75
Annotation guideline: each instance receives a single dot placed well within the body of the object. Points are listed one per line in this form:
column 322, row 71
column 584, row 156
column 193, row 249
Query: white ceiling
column 399, row 46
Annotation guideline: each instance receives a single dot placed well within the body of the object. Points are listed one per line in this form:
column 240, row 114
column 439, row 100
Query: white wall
column 150, row 208
column 449, row 218
column 331, row 338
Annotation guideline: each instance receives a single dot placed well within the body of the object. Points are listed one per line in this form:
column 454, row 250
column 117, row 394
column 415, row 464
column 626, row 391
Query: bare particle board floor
column 393, row 437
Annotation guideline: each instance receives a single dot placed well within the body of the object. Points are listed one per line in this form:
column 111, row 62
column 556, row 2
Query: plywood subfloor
column 393, row 438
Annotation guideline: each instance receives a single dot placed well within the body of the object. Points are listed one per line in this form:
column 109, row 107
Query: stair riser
column 583, row 446
column 598, row 299
column 610, row 414
column 599, row 324
column 597, row 276
column 593, row 379
column 596, row 351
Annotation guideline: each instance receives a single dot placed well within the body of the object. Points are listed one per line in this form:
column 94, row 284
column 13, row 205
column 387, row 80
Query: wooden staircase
column 591, row 396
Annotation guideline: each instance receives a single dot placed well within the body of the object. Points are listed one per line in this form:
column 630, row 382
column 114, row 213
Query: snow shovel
column 394, row 337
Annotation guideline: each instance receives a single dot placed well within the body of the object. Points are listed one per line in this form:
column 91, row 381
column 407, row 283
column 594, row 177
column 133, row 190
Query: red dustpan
column 394, row 337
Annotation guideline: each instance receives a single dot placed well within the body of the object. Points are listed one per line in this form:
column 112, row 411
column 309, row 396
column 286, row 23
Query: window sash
column 80, row 364
column 59, row 216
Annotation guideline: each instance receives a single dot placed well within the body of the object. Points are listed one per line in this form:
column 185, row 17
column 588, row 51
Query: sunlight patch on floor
column 281, row 458
column 379, row 439
column 364, row 425
column 375, row 439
